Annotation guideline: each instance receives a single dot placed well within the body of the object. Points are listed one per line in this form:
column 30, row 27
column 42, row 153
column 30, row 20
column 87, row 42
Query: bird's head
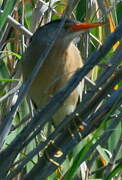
column 70, row 30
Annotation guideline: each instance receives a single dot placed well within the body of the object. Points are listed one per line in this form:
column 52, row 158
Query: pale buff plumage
column 61, row 63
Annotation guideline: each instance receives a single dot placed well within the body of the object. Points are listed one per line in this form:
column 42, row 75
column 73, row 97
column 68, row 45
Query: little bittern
column 62, row 61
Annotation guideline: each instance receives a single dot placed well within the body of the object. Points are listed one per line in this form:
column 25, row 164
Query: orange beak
column 83, row 26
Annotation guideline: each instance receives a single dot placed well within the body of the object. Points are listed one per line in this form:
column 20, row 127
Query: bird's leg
column 74, row 124
column 57, row 153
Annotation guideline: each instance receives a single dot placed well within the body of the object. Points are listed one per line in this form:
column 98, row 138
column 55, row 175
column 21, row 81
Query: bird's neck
column 61, row 48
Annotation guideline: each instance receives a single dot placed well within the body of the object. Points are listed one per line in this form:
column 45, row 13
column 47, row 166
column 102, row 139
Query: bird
column 61, row 63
